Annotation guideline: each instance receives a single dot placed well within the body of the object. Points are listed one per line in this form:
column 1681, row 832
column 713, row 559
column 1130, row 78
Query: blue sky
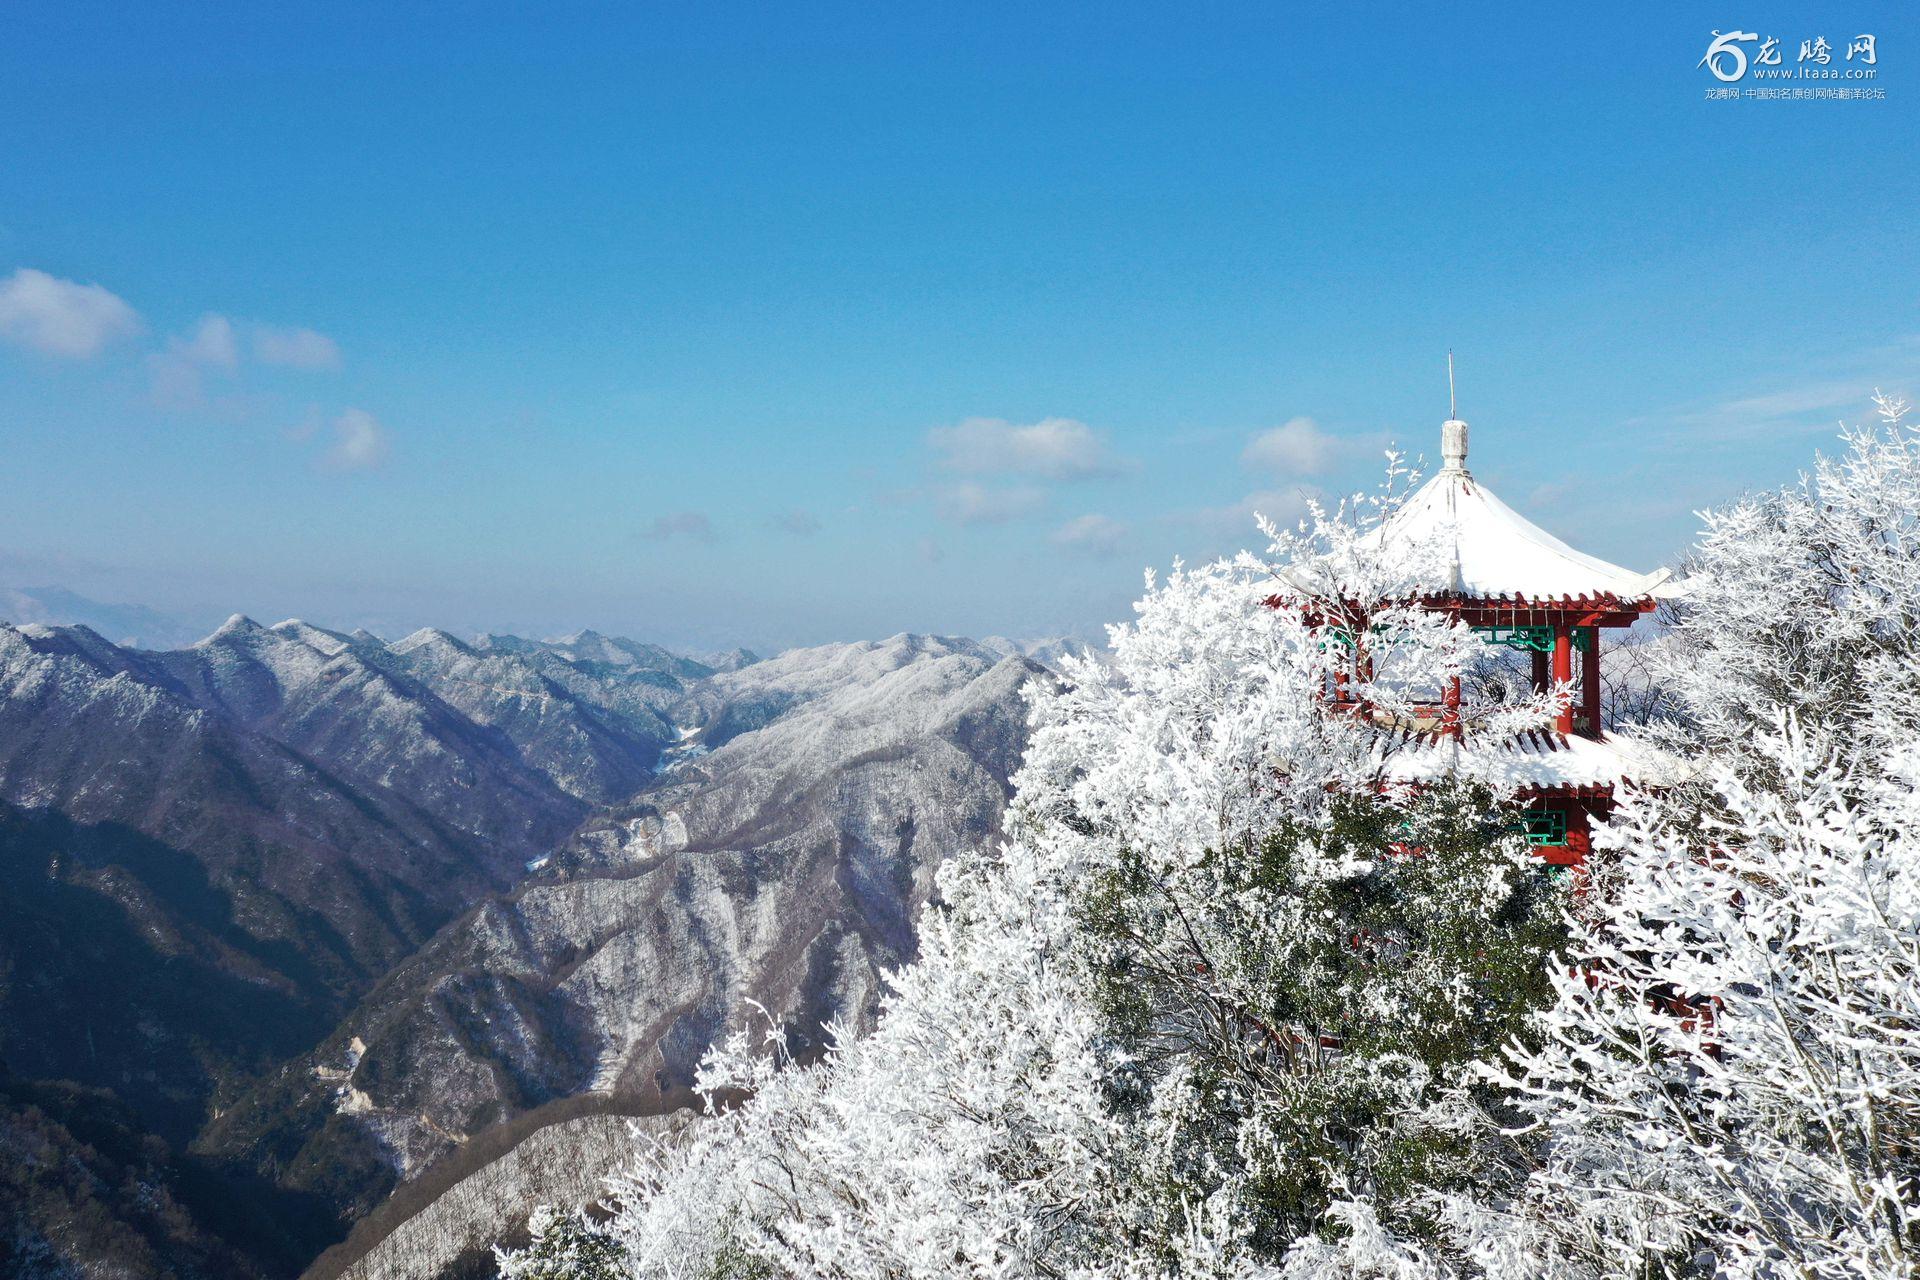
column 716, row 324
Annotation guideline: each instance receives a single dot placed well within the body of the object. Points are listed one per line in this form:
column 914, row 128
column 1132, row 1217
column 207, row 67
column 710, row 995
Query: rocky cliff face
column 314, row 909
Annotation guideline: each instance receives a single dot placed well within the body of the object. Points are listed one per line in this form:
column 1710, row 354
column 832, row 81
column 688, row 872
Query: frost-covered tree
column 1203, row 1014
column 1729, row 1081
column 1807, row 600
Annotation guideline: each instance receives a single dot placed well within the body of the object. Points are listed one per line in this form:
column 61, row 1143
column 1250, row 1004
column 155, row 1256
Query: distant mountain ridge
column 132, row 625
column 313, row 907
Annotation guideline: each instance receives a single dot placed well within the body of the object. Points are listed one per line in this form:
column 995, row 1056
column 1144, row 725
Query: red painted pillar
column 1563, row 671
column 1590, row 681
column 1579, row 835
column 1450, row 717
column 1540, row 680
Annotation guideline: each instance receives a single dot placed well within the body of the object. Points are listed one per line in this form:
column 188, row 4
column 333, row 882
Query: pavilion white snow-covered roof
column 1492, row 551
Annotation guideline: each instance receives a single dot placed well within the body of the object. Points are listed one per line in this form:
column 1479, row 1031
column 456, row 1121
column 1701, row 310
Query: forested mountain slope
column 307, row 909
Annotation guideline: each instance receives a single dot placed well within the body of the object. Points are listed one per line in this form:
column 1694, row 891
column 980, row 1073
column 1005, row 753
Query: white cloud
column 970, row 503
column 1815, row 394
column 211, row 343
column 214, row 344
column 1798, row 410
column 295, row 348
column 177, row 381
column 1051, row 449
column 359, row 442
column 1295, row 448
column 801, row 524
column 62, row 317
column 688, row 524
column 1095, row 535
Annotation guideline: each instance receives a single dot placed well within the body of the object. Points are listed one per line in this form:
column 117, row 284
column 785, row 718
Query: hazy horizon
column 180, row 630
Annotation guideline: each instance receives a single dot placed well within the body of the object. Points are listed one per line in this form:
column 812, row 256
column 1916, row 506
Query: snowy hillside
column 784, row 864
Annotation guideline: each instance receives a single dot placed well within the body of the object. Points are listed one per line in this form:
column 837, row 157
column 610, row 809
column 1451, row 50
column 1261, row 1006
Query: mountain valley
column 290, row 916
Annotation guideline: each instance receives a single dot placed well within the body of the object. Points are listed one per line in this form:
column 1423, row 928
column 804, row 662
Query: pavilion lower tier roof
column 1536, row 762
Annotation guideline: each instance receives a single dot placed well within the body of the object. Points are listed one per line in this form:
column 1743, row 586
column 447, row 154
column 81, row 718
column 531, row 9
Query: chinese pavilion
column 1518, row 585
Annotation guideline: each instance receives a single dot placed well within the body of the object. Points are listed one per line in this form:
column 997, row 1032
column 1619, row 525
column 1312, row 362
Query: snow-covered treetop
column 1491, row 549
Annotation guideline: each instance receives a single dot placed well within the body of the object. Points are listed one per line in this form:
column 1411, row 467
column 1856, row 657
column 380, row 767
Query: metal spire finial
column 1453, row 432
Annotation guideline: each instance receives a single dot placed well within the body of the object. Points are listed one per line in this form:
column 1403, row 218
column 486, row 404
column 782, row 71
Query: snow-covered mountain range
column 314, row 910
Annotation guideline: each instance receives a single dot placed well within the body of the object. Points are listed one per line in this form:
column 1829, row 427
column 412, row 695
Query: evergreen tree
column 565, row 1246
column 1297, row 1017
